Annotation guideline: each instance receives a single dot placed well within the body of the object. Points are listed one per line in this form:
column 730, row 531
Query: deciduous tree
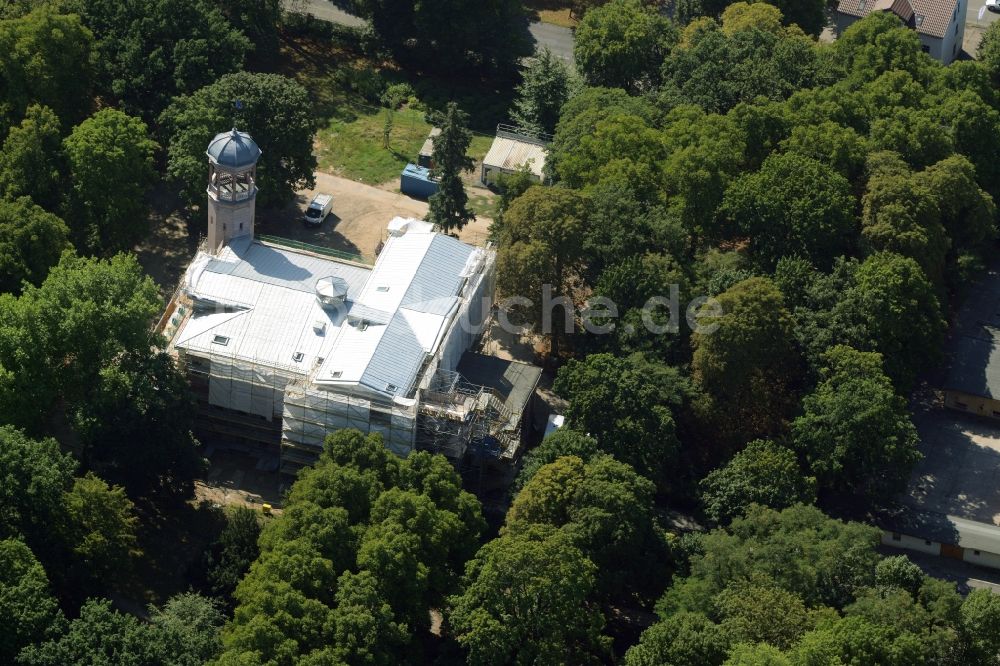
column 627, row 405
column 110, row 158
column 793, row 206
column 526, row 601
column 31, row 160
column 763, row 473
column 856, row 434
column 274, row 110
column 622, row 44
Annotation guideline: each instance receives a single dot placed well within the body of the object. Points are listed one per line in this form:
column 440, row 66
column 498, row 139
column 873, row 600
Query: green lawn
column 351, row 145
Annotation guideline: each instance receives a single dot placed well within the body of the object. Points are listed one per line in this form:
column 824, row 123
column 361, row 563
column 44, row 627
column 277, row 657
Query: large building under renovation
column 284, row 345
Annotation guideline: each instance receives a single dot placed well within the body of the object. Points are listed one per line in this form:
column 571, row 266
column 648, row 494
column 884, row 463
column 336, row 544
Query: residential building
column 940, row 24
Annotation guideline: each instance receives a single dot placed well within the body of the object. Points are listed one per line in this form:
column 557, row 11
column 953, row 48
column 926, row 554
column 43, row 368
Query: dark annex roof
column 513, row 381
column 974, row 349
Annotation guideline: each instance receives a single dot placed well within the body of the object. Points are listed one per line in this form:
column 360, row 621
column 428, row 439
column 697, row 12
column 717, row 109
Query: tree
column 142, row 398
column 188, row 629
column 36, row 474
column 233, row 552
column 988, row 52
column 759, row 611
column 627, row 405
column 275, row 111
column 606, row 509
column 544, row 88
column 448, row 207
column 366, row 544
column 31, row 160
column 110, row 157
column 822, row 560
column 259, row 21
column 30, row 612
column 542, row 244
column 762, row 473
column 488, row 36
column 967, row 214
column 100, row 523
column 718, row 71
column 525, row 601
column 31, row 241
column 900, row 573
column 793, row 206
column 856, row 434
column 151, row 52
column 981, row 625
column 621, row 45
column 747, row 368
column 99, row 635
column 833, row 144
column 682, row 639
column 563, row 442
column 891, row 308
column 579, row 118
column 761, row 654
column 47, row 60
column 365, row 629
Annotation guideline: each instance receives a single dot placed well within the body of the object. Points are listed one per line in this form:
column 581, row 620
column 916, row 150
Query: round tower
column 232, row 188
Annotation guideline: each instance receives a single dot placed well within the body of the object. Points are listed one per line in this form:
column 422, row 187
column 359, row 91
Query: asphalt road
column 972, row 14
column 559, row 40
column 324, row 10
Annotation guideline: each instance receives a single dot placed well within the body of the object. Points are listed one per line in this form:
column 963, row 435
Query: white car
column 318, row 209
column 993, row 6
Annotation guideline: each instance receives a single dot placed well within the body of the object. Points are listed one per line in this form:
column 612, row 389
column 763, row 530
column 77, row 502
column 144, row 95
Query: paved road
column 325, row 10
column 559, row 40
column 972, row 14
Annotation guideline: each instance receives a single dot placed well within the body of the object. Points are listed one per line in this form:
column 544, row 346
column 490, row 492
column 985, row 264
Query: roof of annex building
column 257, row 303
column 928, row 17
column 974, row 349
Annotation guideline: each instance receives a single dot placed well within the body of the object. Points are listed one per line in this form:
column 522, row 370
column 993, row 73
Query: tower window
column 241, row 226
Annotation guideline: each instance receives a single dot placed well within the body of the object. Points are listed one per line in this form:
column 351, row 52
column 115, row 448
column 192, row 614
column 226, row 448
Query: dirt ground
column 357, row 224
column 358, row 219
column 235, row 480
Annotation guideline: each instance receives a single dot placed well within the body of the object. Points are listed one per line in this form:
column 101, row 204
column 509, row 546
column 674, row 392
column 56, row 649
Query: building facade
column 940, row 24
column 285, row 344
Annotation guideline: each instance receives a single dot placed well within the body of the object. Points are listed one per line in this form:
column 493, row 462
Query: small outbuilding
column 514, row 149
column 426, row 156
column 416, row 181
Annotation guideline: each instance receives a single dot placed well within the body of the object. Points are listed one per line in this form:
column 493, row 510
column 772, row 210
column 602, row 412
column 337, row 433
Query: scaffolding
column 456, row 418
column 312, row 411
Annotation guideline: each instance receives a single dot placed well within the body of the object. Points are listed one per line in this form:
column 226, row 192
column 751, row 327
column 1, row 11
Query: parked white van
column 318, row 209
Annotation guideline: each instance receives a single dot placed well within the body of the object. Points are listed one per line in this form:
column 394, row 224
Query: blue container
column 415, row 181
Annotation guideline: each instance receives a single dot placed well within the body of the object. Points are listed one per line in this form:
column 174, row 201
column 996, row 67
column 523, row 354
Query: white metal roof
column 394, row 315
column 510, row 155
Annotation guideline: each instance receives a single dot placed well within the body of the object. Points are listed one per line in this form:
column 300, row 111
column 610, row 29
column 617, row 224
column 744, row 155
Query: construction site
column 284, row 343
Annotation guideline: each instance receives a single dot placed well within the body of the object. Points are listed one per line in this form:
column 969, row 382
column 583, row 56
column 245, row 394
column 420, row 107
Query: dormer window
column 336, row 374
column 220, row 340
column 298, row 356
column 383, row 289
column 391, row 388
